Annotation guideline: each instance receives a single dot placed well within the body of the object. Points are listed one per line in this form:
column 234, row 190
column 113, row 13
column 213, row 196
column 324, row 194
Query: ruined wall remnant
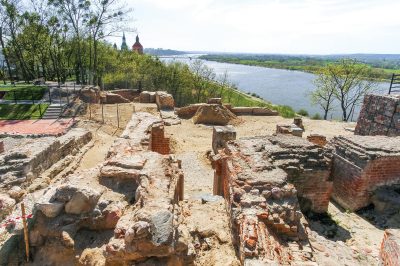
column 265, row 180
column 289, row 129
column 390, row 248
column 379, row 115
column 158, row 142
column 134, row 195
column 362, row 164
column 27, row 162
column 317, row 139
column 222, row 134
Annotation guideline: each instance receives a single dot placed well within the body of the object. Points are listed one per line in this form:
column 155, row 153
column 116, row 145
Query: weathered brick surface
column 317, row 139
column 390, row 248
column 158, row 142
column 262, row 178
column 380, row 115
column 360, row 165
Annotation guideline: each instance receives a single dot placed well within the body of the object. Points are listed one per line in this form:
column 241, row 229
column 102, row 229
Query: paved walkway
column 27, row 127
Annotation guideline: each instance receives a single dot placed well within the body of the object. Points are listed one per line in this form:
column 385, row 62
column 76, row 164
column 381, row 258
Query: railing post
column 391, row 84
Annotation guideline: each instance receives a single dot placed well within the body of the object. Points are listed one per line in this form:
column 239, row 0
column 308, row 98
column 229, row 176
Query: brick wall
column 158, row 142
column 262, row 203
column 379, row 115
column 390, row 248
column 361, row 165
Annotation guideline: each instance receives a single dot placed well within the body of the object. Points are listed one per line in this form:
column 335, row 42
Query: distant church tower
column 137, row 47
column 124, row 46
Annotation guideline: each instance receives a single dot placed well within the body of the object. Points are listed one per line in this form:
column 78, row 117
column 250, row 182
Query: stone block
column 221, row 135
column 214, row 101
column 164, row 100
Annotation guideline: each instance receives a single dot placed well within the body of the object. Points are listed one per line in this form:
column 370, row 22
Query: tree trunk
column 5, row 55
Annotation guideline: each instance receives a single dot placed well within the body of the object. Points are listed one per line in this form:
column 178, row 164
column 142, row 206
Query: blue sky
column 268, row 26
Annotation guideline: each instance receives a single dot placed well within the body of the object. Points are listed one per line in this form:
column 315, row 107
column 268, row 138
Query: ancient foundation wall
column 28, row 162
column 133, row 195
column 265, row 180
column 361, row 165
column 379, row 115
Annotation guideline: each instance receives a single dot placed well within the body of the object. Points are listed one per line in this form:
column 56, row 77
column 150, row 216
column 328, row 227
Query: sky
column 268, row 26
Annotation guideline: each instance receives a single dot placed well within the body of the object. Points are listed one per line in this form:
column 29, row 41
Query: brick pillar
column 158, row 142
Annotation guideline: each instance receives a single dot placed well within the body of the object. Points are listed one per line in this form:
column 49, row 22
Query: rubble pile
column 361, row 164
column 263, row 179
column 213, row 114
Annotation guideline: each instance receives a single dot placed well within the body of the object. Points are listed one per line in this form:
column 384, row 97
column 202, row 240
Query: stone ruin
column 295, row 129
column 191, row 110
column 95, row 95
column 124, row 211
column 379, row 115
column 164, row 100
column 22, row 164
column 266, row 182
column 361, row 164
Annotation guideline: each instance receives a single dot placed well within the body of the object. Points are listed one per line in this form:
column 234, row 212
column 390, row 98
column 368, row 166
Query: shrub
column 303, row 112
column 317, row 117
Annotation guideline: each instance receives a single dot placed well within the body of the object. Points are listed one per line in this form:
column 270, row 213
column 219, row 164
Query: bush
column 317, row 117
column 303, row 112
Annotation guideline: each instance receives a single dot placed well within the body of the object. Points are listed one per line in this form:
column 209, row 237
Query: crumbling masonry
column 265, row 181
column 362, row 164
column 133, row 194
column 379, row 115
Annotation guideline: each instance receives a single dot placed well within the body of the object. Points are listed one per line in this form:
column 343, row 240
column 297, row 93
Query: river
column 283, row 87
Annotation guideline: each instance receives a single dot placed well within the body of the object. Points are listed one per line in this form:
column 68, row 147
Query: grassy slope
column 23, row 92
column 21, row 111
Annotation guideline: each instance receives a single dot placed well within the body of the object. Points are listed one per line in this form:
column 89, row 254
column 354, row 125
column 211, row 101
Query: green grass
column 21, row 111
column 238, row 98
column 23, row 92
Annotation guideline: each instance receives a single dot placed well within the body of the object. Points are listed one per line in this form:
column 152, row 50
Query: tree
column 345, row 81
column 323, row 95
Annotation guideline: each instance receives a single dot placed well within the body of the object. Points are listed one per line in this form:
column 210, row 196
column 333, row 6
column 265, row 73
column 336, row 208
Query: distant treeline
column 382, row 66
column 162, row 52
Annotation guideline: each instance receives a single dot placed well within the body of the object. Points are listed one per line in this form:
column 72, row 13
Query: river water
column 283, row 87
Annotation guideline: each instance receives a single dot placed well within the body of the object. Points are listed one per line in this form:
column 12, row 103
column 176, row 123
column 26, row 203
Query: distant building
column 124, row 46
column 137, row 47
column 115, row 46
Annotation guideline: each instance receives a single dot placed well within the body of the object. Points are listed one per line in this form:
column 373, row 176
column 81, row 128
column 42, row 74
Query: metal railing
column 395, row 84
